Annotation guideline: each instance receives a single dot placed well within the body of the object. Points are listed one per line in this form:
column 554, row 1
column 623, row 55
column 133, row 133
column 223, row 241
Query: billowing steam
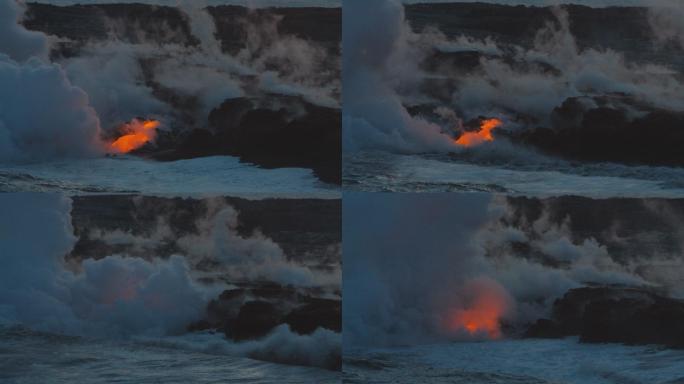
column 141, row 73
column 501, row 87
column 68, row 107
column 388, row 70
column 17, row 42
column 124, row 296
column 424, row 268
column 373, row 113
column 234, row 257
column 111, row 296
column 111, row 76
column 42, row 115
column 666, row 18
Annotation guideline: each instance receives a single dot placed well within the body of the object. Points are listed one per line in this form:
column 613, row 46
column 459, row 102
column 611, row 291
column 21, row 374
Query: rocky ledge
column 614, row 315
column 252, row 311
column 280, row 131
column 605, row 132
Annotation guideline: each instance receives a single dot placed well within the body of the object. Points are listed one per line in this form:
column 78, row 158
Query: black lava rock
column 255, row 319
column 615, row 314
column 318, row 313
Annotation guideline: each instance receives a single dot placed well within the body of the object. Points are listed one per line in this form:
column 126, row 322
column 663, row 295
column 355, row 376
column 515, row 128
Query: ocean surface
column 541, row 177
column 247, row 3
column 206, row 176
column 35, row 357
column 563, row 361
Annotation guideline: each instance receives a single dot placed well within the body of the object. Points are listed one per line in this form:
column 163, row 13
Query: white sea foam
column 516, row 361
column 206, row 176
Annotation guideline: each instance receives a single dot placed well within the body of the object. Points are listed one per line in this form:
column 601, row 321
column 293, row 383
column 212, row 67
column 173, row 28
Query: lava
column 469, row 139
column 137, row 133
column 488, row 303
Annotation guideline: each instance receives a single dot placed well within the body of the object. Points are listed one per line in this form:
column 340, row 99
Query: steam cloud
column 665, row 17
column 114, row 295
column 122, row 296
column 383, row 74
column 42, row 115
column 113, row 81
column 373, row 114
column 500, row 87
column 235, row 257
column 425, row 268
column 204, row 73
column 17, row 42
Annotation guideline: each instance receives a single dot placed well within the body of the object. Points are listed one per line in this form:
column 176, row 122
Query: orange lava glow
column 137, row 133
column 489, row 302
column 469, row 139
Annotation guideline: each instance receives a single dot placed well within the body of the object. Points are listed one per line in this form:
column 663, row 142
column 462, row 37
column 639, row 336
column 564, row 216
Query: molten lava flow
column 137, row 133
column 469, row 139
column 489, row 301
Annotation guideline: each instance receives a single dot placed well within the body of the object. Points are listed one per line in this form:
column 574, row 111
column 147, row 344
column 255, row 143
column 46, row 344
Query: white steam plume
column 517, row 84
column 17, row 42
column 110, row 296
column 110, row 74
column 111, row 71
column 239, row 258
column 499, row 87
column 42, row 115
column 666, row 18
column 415, row 265
column 118, row 296
column 373, row 114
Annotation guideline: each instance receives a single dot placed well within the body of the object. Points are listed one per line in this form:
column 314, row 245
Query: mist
column 373, row 114
column 122, row 296
column 167, row 76
column 421, row 269
column 43, row 114
column 391, row 72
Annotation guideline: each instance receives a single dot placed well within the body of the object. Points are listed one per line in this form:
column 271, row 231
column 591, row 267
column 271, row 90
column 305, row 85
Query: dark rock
column 318, row 313
column 197, row 143
column 228, row 115
column 255, row 319
column 169, row 25
column 230, row 294
column 322, row 25
column 635, row 321
column 615, row 314
column 273, row 291
column 133, row 23
column 281, row 137
column 267, row 305
column 457, row 62
column 589, row 218
column 306, row 229
column 607, row 134
column 289, row 133
column 201, row 325
column 622, row 29
column 544, row 329
column 307, row 136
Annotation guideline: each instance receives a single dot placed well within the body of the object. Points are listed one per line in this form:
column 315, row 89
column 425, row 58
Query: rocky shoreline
column 591, row 126
column 308, row 231
column 612, row 314
column 266, row 129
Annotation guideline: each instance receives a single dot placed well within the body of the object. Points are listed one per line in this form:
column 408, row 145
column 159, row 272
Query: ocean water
column 562, row 361
column 206, row 176
column 252, row 3
column 35, row 357
column 389, row 172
